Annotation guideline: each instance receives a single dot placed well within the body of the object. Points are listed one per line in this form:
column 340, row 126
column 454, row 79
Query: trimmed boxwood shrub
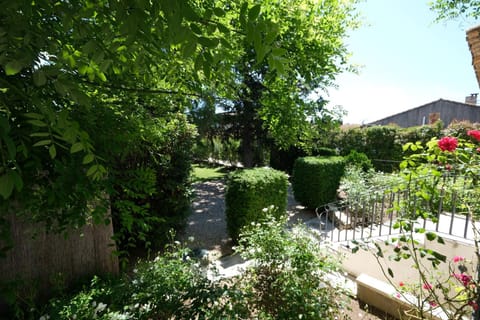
column 249, row 191
column 316, row 179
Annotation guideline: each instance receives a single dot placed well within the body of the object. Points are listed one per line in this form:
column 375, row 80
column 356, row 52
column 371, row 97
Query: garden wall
column 365, row 262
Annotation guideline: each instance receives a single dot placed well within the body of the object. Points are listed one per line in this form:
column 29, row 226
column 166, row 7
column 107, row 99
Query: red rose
column 474, row 134
column 448, row 143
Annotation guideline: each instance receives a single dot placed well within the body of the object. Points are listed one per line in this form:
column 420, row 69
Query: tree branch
column 144, row 90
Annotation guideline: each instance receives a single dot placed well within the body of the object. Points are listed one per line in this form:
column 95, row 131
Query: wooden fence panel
column 38, row 257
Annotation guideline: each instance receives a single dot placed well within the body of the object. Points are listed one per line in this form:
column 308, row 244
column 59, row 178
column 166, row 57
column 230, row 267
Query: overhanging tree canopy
column 292, row 50
column 449, row 9
column 61, row 60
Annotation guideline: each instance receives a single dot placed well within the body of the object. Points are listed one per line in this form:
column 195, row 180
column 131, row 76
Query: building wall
column 447, row 110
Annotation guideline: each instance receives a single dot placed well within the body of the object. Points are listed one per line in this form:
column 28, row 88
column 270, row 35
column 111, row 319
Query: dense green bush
column 359, row 160
column 420, row 133
column 165, row 150
column 316, row 179
column 361, row 189
column 149, row 164
column 171, row 286
column 459, row 129
column 249, row 191
column 217, row 148
column 284, row 159
column 382, row 148
column 379, row 143
column 289, row 279
column 350, row 139
column 324, row 152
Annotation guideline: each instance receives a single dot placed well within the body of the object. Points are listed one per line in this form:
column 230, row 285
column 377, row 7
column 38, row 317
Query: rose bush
column 431, row 176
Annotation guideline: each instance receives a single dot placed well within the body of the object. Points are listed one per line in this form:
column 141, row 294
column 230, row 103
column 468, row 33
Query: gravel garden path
column 207, row 226
column 207, row 223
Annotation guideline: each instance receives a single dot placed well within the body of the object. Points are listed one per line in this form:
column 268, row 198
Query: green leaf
column 254, row 12
column 83, row 69
column 88, row 158
column 60, row 88
column 76, row 147
column 6, row 185
column 39, row 78
column 96, row 171
column 189, row 48
column 419, row 230
column 40, row 134
column 219, row 12
column 17, row 180
column 355, row 249
column 208, row 42
column 430, row 236
column 37, row 123
column 42, row 143
column 102, row 76
column 223, row 29
column 33, row 115
column 13, row 67
column 379, row 250
column 279, row 52
column 52, row 151
column 92, row 170
column 195, row 29
column 390, row 272
column 440, row 240
column 439, row 256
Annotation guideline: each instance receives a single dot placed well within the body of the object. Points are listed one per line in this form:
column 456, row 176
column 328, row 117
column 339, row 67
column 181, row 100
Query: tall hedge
column 152, row 185
column 316, row 179
column 249, row 191
column 379, row 143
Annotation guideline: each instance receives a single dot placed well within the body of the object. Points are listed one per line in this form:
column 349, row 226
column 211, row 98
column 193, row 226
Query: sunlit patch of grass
column 205, row 173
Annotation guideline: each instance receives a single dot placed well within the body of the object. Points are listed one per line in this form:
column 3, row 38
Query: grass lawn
column 205, row 173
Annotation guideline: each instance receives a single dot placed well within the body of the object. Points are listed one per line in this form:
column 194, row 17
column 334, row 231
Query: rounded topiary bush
column 316, row 180
column 359, row 159
column 249, row 191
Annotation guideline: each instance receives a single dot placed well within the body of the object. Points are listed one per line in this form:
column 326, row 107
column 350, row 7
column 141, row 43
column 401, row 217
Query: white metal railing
column 374, row 216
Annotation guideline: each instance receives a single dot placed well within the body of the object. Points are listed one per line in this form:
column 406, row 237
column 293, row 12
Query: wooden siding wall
column 448, row 110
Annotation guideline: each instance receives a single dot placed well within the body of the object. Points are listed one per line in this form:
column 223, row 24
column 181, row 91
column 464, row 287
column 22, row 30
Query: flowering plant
column 448, row 144
column 455, row 293
column 431, row 174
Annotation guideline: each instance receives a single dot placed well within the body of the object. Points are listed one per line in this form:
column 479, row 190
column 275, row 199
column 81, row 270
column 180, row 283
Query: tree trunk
column 246, row 149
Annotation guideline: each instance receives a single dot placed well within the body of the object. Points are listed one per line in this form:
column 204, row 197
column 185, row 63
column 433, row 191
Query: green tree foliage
column 291, row 50
column 450, row 9
column 80, row 82
column 86, row 111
